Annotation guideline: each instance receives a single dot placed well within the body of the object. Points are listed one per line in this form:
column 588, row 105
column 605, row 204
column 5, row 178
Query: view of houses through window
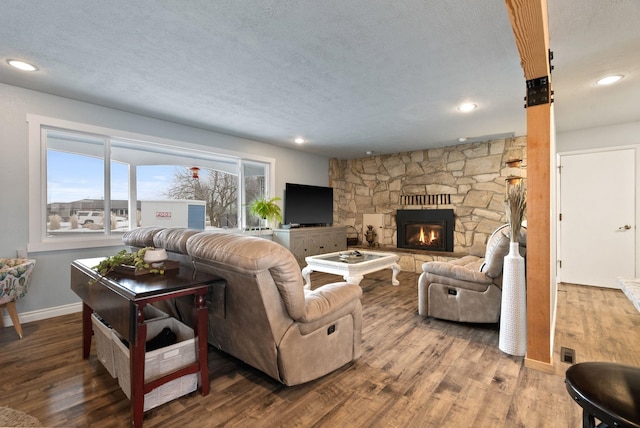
column 139, row 183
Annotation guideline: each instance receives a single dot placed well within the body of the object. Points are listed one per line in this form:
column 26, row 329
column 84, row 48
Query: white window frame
column 38, row 126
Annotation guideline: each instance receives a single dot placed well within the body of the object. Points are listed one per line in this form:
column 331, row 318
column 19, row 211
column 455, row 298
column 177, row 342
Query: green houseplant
column 266, row 209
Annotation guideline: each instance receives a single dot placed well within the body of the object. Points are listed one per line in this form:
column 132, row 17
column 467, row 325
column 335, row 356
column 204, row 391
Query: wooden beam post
column 530, row 28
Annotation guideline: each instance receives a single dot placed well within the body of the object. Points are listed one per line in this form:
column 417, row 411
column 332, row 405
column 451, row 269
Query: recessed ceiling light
column 21, row 65
column 462, row 139
column 467, row 107
column 369, row 152
column 609, row 79
column 299, row 140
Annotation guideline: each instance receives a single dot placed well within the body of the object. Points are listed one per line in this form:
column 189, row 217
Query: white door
column 597, row 227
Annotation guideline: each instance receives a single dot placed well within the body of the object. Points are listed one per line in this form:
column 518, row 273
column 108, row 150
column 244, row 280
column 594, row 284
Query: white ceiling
column 347, row 75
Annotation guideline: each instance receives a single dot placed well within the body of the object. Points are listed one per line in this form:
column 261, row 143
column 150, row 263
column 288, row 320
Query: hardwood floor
column 414, row 372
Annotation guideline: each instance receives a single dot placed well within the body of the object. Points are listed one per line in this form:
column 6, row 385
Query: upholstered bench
column 631, row 288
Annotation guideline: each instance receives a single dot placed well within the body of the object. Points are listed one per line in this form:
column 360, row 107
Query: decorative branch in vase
column 513, row 311
column 516, row 209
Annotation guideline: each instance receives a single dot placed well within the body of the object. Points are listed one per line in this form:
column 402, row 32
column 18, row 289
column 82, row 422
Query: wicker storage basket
column 160, row 362
column 104, row 341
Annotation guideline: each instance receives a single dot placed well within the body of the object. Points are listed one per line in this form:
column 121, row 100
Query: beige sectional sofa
column 263, row 316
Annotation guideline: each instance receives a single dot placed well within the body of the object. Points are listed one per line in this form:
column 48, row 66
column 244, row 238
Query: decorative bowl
column 157, row 255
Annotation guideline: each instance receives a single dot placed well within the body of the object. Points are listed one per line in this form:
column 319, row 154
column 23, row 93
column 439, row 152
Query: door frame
column 559, row 155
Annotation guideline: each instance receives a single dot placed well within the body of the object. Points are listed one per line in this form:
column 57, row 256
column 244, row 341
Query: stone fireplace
column 428, row 230
column 468, row 178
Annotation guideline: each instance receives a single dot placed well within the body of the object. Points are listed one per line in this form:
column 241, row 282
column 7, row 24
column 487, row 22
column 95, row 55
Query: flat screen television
column 306, row 205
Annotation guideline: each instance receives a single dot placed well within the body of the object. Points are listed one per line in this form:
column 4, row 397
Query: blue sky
column 73, row 177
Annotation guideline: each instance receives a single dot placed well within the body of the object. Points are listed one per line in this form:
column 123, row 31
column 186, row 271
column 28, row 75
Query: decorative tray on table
column 351, row 256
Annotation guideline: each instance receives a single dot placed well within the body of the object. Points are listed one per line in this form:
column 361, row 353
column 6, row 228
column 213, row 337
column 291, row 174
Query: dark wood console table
column 120, row 300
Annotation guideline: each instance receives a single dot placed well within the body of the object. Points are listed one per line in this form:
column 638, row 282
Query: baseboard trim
column 538, row 365
column 42, row 314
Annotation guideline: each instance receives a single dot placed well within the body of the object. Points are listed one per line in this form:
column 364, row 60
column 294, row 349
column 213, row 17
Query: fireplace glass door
column 427, row 236
column 426, row 230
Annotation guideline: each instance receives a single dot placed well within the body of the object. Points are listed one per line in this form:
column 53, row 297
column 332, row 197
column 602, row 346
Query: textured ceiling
column 349, row 76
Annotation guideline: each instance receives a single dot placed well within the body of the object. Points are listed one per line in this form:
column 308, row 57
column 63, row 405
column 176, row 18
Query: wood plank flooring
column 414, row 372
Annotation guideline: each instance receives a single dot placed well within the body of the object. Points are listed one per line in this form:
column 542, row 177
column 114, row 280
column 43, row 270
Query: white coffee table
column 350, row 265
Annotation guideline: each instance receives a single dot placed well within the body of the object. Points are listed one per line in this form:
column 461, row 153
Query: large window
column 89, row 185
column 255, row 181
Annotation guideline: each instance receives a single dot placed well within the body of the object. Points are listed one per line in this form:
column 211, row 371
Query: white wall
column 602, row 138
column 50, row 281
column 623, row 134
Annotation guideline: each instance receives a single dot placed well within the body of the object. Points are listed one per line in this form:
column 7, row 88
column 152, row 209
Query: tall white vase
column 513, row 315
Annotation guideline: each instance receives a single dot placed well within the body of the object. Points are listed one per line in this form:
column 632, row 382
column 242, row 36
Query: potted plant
column 266, row 209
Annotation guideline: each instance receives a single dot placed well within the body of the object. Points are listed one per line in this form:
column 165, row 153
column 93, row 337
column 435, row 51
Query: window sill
column 73, row 244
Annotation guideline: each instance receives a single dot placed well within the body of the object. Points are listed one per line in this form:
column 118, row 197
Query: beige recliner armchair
column 267, row 319
column 468, row 289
